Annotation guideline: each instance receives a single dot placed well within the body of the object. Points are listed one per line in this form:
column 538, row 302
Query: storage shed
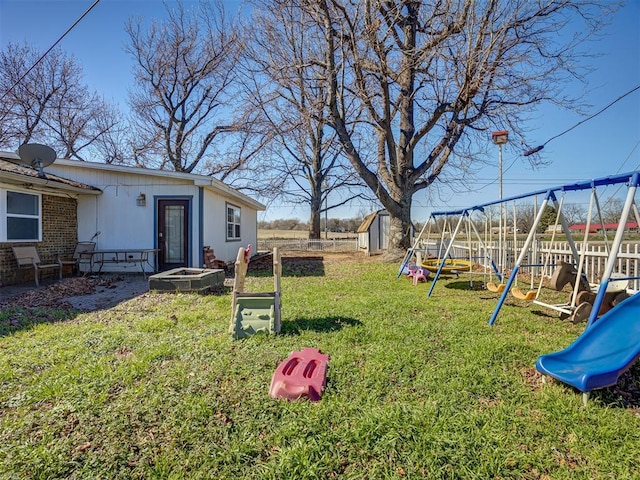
column 373, row 232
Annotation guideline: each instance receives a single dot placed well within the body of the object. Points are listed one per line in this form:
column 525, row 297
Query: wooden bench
column 28, row 257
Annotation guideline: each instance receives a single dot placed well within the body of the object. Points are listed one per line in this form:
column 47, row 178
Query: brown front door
column 173, row 233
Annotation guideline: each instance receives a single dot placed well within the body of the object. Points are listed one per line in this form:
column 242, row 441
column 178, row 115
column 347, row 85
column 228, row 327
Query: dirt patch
column 532, row 378
column 81, row 293
column 626, row 392
column 105, row 291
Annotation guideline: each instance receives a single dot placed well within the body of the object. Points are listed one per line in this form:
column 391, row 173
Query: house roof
column 204, row 181
column 22, row 175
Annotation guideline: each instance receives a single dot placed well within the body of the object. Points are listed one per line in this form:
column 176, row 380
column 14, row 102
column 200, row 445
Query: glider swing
column 607, row 276
column 566, row 272
column 549, row 197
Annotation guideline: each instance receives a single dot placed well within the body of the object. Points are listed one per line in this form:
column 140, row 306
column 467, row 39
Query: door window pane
column 174, row 221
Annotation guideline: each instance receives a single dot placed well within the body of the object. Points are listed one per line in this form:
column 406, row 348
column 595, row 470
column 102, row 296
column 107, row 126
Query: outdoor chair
column 28, row 257
column 412, row 268
column 81, row 255
column 420, row 275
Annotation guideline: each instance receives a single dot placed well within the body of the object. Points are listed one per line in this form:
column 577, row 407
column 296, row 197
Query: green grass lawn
column 155, row 388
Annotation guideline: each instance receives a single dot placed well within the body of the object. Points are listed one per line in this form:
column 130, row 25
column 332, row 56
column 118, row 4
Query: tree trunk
column 315, row 204
column 314, row 224
column 400, row 231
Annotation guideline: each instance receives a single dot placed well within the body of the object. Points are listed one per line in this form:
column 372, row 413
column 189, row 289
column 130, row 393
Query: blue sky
column 606, row 145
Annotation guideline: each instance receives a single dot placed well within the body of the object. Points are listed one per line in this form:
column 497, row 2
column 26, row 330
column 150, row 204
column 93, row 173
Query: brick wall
column 59, row 237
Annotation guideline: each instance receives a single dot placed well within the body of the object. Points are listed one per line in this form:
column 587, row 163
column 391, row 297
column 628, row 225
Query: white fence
column 550, row 254
column 307, row 245
column 541, row 253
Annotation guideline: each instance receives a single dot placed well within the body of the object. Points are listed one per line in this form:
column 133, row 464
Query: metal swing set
column 606, row 282
column 609, row 280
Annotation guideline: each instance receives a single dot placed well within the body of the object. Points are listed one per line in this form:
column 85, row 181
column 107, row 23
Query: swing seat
column 520, row 295
column 449, row 265
column 492, row 287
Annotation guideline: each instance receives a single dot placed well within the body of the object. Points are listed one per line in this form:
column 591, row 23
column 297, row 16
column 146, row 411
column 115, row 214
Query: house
column 599, row 228
column 373, row 232
column 553, row 227
column 119, row 207
column 36, row 210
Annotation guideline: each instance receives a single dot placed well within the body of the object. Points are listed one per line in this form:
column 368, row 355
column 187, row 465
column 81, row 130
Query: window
column 22, row 216
column 233, row 222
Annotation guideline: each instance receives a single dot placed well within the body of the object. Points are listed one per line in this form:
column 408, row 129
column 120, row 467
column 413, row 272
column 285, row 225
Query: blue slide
column 602, row 353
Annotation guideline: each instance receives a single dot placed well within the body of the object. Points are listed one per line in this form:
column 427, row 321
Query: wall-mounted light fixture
column 141, row 201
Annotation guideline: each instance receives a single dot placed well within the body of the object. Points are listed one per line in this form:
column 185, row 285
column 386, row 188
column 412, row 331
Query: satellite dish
column 36, row 155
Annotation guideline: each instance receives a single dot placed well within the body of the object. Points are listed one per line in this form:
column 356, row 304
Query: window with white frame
column 21, row 215
column 233, row 222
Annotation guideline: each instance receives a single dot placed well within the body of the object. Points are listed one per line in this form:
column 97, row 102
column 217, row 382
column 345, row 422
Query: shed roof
column 368, row 220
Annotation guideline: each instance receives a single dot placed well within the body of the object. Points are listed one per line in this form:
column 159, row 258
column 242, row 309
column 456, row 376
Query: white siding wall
column 115, row 214
column 123, row 224
column 215, row 226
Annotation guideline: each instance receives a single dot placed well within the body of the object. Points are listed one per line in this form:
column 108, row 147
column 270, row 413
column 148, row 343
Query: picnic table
column 142, row 257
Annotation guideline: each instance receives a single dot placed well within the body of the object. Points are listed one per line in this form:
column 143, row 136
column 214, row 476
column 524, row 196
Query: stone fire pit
column 187, row 280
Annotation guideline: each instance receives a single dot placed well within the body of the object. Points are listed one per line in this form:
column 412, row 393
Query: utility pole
column 500, row 138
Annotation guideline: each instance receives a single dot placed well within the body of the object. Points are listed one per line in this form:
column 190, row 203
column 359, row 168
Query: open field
column 155, row 388
column 287, row 234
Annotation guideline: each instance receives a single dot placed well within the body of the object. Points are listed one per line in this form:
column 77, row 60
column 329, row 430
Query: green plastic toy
column 253, row 312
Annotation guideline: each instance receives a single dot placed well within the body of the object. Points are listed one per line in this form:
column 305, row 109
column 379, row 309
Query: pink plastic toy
column 303, row 374
column 419, row 275
column 412, row 268
column 247, row 253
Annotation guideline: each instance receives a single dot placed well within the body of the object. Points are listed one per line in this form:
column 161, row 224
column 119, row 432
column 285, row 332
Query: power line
column 49, row 50
column 618, row 171
column 540, row 147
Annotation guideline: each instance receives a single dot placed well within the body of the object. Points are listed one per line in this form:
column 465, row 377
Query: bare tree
column 185, row 69
column 436, row 77
column 611, row 210
column 116, row 145
column 287, row 87
column 50, row 104
column 82, row 124
column 575, row 213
